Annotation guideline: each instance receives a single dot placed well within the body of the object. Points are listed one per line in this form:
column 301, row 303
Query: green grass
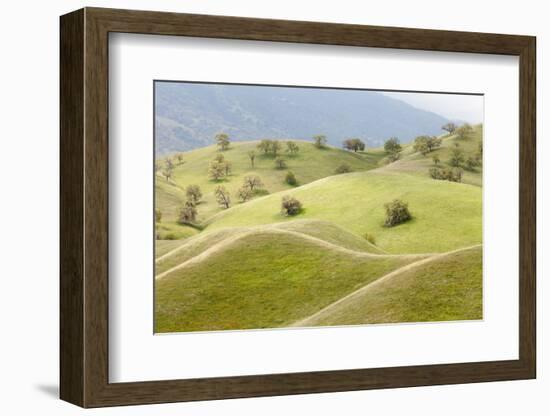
column 446, row 215
column 448, row 288
column 308, row 165
column 164, row 246
column 321, row 230
column 264, row 280
column 251, row 267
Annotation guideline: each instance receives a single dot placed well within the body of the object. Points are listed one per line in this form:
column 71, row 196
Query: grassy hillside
column 447, row 287
column 417, row 164
column 265, row 279
column 249, row 266
column 446, row 215
column 325, row 232
column 308, row 165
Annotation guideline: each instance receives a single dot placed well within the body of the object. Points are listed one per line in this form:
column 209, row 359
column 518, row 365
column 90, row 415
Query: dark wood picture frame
column 84, row 207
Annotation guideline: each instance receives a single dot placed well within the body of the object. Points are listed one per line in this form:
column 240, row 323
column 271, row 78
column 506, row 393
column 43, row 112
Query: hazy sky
column 452, row 106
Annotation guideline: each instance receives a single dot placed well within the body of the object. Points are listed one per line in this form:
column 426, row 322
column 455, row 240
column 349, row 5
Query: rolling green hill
column 446, row 287
column 267, row 278
column 326, row 233
column 249, row 266
column 308, row 165
column 446, row 215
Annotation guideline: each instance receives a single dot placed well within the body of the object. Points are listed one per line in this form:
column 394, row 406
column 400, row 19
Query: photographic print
column 296, row 206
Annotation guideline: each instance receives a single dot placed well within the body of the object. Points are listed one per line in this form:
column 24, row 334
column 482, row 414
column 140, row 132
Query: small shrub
column 290, row 206
column 453, row 175
column 393, row 157
column 290, row 178
column 471, row 163
column 188, row 214
column 370, row 238
column 343, row 168
column 457, row 156
column 170, row 236
column 158, row 215
column 397, row 212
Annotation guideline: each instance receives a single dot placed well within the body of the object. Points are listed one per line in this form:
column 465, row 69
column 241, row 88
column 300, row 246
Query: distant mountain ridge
column 188, row 115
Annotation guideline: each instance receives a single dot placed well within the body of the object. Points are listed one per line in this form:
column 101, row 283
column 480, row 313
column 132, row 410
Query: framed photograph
column 255, row 207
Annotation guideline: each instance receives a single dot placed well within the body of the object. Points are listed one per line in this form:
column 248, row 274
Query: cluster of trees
column 397, row 212
column 464, row 131
column 270, row 147
column 188, row 213
column 457, row 161
column 251, row 185
column 393, row 148
column 446, row 174
column 426, row 144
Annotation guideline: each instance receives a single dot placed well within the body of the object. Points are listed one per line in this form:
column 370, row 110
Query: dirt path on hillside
column 273, row 229
column 312, row 318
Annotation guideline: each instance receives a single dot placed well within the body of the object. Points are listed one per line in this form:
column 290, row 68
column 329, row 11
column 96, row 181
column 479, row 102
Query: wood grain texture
column 71, row 203
column 84, row 207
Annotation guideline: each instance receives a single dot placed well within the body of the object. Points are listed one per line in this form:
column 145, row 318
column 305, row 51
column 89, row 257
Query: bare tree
column 227, row 167
column 252, row 182
column 275, row 147
column 252, row 156
column 244, row 194
column 449, row 127
column 264, row 146
column 292, row 147
column 222, row 197
column 280, row 163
